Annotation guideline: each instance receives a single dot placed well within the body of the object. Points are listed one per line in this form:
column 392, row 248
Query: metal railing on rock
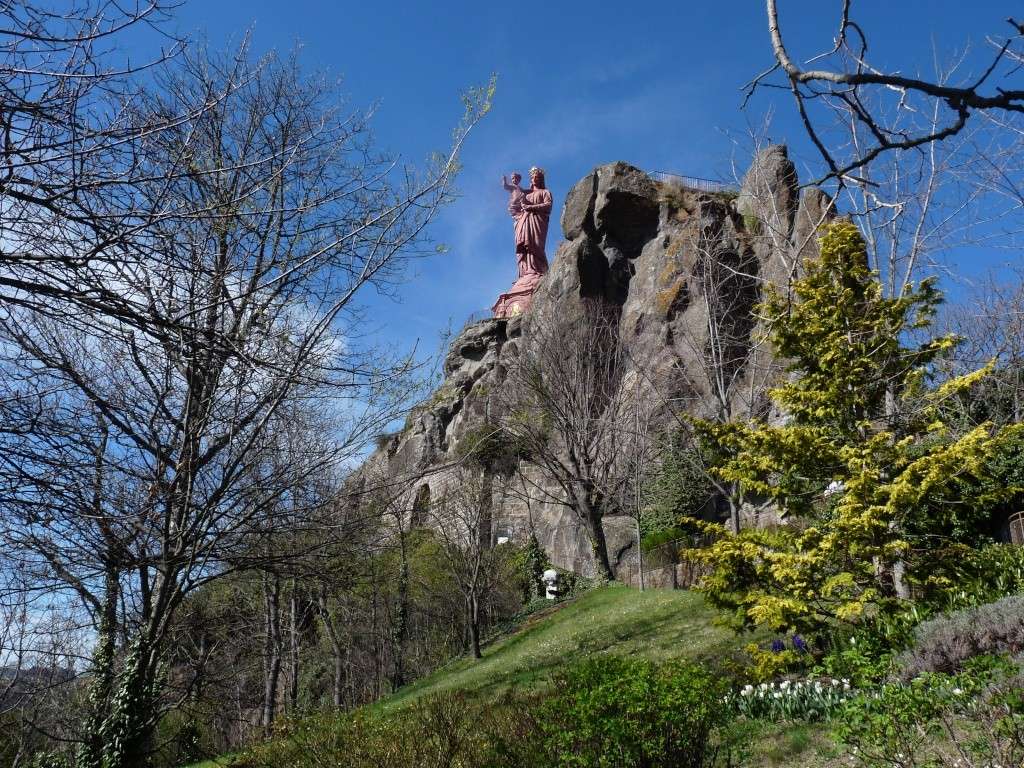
column 693, row 182
column 477, row 316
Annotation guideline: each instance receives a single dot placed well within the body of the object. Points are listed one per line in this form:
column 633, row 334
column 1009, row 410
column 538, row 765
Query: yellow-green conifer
column 861, row 461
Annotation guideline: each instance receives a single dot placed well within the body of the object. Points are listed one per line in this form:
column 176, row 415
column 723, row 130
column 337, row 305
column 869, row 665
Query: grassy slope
column 657, row 624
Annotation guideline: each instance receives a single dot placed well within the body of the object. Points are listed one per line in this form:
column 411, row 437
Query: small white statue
column 550, row 579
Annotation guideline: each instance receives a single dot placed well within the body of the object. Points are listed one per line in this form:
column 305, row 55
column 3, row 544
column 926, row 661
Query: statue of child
column 515, row 194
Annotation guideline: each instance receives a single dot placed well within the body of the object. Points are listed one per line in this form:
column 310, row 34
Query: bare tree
column 990, row 326
column 136, row 467
column 847, row 77
column 69, row 156
column 571, row 415
column 462, row 516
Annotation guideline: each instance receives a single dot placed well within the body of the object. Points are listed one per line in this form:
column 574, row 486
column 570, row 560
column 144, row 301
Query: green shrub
column 945, row 643
column 971, row 720
column 679, row 487
column 450, row 730
column 986, row 574
column 607, row 712
column 489, row 447
column 864, row 655
column 610, row 712
column 182, row 739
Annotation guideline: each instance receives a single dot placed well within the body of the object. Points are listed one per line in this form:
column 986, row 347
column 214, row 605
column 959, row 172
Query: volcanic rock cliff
column 684, row 268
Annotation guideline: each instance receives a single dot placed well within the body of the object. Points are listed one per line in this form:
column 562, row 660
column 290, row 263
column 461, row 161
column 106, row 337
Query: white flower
column 784, row 684
column 747, row 690
column 957, row 692
column 836, row 486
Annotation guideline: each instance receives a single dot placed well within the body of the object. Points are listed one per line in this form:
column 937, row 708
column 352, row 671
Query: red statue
column 530, row 210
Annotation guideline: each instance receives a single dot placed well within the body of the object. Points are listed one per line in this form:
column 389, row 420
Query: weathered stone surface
column 816, row 210
column 625, row 208
column 769, row 190
column 578, row 211
column 670, row 260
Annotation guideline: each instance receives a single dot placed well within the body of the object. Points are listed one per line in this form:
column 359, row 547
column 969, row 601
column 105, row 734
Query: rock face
column 683, row 269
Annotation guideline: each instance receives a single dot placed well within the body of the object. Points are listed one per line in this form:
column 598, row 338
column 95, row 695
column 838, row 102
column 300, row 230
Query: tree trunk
column 401, row 623
column 338, row 691
column 271, row 649
column 600, row 546
column 899, row 567
column 484, row 529
column 734, row 515
column 102, row 686
column 337, row 652
column 588, row 508
column 639, row 554
column 293, row 680
column 474, row 626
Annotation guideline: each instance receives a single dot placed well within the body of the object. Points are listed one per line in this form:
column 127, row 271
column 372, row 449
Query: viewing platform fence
column 694, row 182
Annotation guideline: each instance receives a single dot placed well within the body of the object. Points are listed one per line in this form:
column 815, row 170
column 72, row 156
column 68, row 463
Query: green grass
column 786, row 745
column 657, row 624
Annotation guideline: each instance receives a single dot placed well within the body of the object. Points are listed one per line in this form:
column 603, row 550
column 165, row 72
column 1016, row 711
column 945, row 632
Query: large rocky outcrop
column 683, row 269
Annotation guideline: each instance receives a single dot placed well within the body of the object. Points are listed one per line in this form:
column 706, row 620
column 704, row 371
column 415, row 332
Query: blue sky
column 656, row 84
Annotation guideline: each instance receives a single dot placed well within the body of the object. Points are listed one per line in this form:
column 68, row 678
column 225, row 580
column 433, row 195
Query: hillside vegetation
column 660, row 626
column 656, row 624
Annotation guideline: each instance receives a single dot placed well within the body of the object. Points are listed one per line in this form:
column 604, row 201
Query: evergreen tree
column 863, row 465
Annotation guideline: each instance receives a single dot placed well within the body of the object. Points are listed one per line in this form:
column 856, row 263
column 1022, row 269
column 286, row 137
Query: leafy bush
column 604, row 713
column 849, row 352
column 488, row 447
column 613, row 712
column 944, row 643
column 445, row 731
column 769, row 663
column 182, row 739
column 971, row 720
column 986, row 574
column 865, row 654
column 679, row 487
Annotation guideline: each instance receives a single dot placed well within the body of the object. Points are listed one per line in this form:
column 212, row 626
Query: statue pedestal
column 517, row 299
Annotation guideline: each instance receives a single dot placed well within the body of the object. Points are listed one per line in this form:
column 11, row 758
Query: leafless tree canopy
column 181, row 367
column 843, row 77
column 69, row 155
column 463, row 519
column 574, row 419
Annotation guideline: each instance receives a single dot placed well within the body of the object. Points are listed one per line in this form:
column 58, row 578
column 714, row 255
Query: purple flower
column 800, row 644
column 778, row 645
